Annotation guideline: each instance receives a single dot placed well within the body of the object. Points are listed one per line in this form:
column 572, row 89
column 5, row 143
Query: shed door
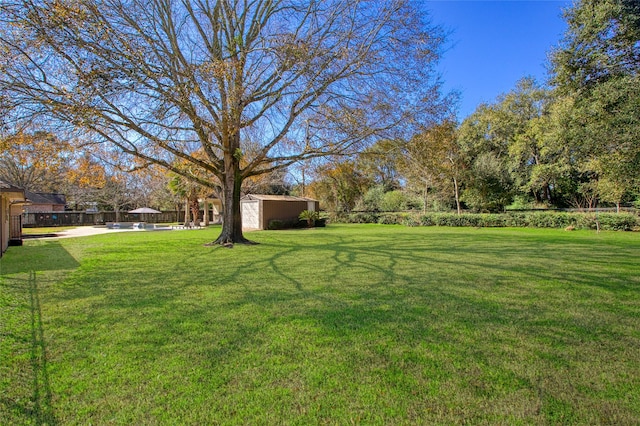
column 251, row 214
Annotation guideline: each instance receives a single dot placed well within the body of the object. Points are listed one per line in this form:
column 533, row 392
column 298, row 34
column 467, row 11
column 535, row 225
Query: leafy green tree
column 190, row 192
column 484, row 139
column 371, row 200
column 600, row 45
column 597, row 67
column 537, row 162
column 606, row 128
column 432, row 162
column 526, row 133
column 489, row 185
column 379, row 163
column 397, row 201
column 339, row 186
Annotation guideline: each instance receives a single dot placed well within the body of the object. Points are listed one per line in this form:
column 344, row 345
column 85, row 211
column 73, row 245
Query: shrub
column 393, row 201
column 391, row 218
column 550, row 220
column 520, row 202
column 427, row 220
column 411, row 220
column 361, row 217
column 275, row 225
column 309, row 216
column 337, row 217
column 613, row 221
column 372, row 199
column 517, row 220
column 414, row 203
column 547, row 219
column 484, row 220
column 496, row 220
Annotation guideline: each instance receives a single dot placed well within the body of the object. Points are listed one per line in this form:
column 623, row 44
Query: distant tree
column 371, row 200
column 86, row 177
column 116, row 193
column 379, row 163
column 185, row 186
column 274, row 183
column 35, row 161
column 338, row 186
column 190, row 192
column 489, row 187
column 599, row 45
column 538, row 163
column 399, row 200
column 596, row 69
column 93, row 181
column 432, row 161
column 162, row 80
column 484, row 139
column 520, row 141
column 152, row 188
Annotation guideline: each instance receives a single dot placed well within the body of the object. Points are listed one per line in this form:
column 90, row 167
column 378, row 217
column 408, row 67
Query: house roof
column 46, row 198
column 276, row 198
column 11, row 190
column 6, row 187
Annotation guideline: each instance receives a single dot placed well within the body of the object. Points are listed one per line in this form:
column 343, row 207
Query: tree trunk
column 457, row 193
column 547, row 189
column 425, row 199
column 194, row 207
column 232, row 219
column 536, row 195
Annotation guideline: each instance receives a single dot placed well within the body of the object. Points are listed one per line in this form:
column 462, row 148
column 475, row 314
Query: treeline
column 571, row 141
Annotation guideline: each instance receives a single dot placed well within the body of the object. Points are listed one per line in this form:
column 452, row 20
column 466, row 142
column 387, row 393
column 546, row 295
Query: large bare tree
column 164, row 79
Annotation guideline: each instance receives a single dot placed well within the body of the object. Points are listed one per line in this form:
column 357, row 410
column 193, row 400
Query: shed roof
column 276, row 198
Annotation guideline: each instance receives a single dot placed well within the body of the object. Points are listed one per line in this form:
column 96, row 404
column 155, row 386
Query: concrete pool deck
column 85, row 231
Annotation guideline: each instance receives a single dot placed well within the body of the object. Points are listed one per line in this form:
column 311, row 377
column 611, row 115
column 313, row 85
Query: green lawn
column 45, row 230
column 362, row 324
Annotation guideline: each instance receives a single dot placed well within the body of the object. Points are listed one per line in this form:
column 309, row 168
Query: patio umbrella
column 144, row 210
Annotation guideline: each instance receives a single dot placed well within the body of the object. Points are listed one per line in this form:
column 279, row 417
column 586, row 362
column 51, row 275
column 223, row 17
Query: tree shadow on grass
column 46, row 256
column 232, row 323
column 24, row 272
column 472, row 309
column 38, row 405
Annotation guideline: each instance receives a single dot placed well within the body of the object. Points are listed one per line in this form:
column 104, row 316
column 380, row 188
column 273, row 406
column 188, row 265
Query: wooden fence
column 99, row 218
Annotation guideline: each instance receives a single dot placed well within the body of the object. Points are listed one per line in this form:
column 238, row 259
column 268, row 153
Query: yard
column 362, row 324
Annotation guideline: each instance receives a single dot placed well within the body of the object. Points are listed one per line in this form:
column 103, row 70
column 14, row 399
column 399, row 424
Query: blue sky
column 493, row 44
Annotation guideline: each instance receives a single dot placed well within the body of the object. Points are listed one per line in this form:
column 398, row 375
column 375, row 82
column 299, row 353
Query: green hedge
column 604, row 221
